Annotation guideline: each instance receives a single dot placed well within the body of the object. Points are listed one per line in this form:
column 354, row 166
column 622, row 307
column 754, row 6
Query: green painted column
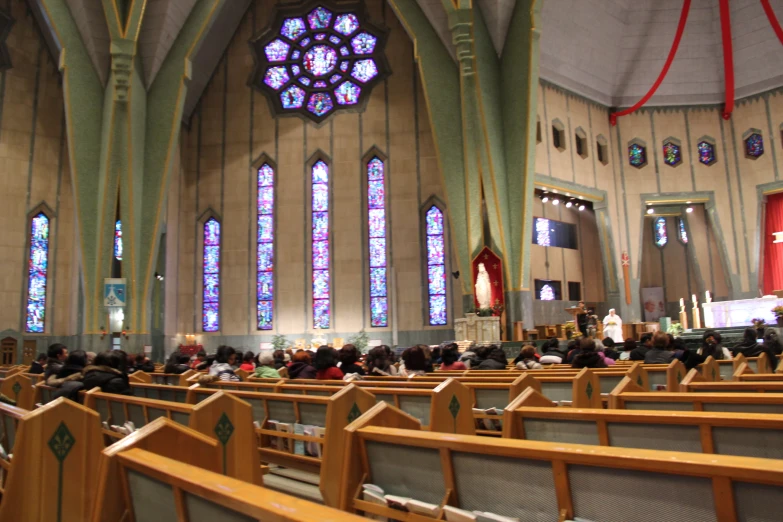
column 122, row 139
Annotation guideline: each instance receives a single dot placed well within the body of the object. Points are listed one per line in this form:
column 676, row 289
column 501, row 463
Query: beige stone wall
column 34, row 176
column 229, row 134
column 733, row 181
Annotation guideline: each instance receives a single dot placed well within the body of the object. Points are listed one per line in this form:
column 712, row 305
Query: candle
column 694, row 298
column 682, row 301
column 707, row 294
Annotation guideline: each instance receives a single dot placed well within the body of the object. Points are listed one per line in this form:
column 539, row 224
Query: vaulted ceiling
column 610, row 51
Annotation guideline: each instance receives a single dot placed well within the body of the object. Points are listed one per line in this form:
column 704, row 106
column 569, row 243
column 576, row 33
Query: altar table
column 724, row 314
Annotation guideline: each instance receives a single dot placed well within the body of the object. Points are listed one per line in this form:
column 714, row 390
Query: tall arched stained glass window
column 436, row 267
column 37, row 272
column 266, row 247
column 118, row 240
column 660, row 232
column 322, row 310
column 683, row 234
column 376, row 215
column 210, row 310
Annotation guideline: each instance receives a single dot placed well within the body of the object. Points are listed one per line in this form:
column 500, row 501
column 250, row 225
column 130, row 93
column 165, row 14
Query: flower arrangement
column 778, row 311
column 484, row 312
column 675, row 329
column 758, row 322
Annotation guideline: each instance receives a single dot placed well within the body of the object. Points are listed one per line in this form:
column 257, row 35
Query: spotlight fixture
column 555, row 201
column 544, row 199
column 158, row 276
column 651, row 210
column 689, row 210
column 581, row 208
column 569, row 204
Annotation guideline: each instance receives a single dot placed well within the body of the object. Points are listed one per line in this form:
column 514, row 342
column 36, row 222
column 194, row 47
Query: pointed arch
column 435, row 259
column 319, row 168
column 376, row 203
column 211, row 249
column 266, row 191
column 39, row 222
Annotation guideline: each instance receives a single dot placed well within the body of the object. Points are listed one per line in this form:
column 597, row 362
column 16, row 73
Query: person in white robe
column 613, row 327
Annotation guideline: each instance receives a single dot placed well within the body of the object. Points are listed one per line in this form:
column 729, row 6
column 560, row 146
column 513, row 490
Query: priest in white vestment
column 613, row 327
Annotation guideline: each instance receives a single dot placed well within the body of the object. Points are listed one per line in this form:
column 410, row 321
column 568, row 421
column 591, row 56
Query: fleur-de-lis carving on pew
column 224, row 430
column 61, row 444
column 454, row 407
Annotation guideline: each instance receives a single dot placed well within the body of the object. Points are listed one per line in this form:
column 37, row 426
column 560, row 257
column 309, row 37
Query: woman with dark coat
column 496, row 360
column 302, row 366
column 108, row 373
column 69, row 379
column 588, row 357
column 177, row 363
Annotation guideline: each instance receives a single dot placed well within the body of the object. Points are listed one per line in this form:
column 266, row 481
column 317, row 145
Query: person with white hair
column 613, row 326
column 266, row 366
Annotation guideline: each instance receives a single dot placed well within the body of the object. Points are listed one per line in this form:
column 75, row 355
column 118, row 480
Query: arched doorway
column 8, row 351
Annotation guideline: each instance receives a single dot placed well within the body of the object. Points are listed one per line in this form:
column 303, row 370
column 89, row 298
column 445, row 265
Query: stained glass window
column 376, row 215
column 754, row 145
column 681, row 230
column 660, row 232
column 320, row 239
column 37, row 273
column 436, row 267
column 210, row 309
column 547, row 293
column 118, row 240
column 637, row 155
column 671, row 154
column 542, row 232
column 319, row 62
column 265, row 282
column 706, row 152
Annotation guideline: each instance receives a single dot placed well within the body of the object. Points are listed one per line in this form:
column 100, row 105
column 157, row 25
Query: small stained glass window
column 436, row 267
column 660, row 232
column 118, row 240
column 706, row 152
column 682, row 232
column 754, row 145
column 38, row 270
column 376, row 212
column 547, row 293
column 637, row 155
column 320, row 245
column 265, row 282
column 210, row 313
column 672, row 155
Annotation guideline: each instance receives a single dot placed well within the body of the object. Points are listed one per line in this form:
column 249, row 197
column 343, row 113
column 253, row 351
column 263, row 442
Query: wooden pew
column 742, row 434
column 184, row 493
column 629, row 396
column 169, row 379
column 550, row 481
column 18, row 387
column 54, row 469
column 161, row 392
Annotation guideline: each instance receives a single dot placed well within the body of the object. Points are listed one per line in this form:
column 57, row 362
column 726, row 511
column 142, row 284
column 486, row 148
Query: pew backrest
column 118, row 409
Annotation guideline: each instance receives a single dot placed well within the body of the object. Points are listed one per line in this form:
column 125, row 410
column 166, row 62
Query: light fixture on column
column 651, row 210
column 570, row 203
column 544, row 198
column 555, row 201
column 689, row 210
column 581, row 207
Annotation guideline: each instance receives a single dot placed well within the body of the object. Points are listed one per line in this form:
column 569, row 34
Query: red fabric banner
column 773, row 252
column 494, row 267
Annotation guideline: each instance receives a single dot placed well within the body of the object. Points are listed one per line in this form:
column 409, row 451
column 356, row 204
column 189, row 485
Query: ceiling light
column 651, row 210
column 544, row 199
column 689, row 210
column 688, row 202
column 569, row 204
column 581, row 208
column 555, row 201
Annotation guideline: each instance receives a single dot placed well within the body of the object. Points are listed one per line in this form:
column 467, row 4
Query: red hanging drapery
column 773, row 252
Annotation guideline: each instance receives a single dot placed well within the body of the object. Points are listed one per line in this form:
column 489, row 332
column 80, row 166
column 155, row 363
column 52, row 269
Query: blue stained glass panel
column 660, row 231
column 266, row 286
column 345, row 24
column 320, row 172
column 364, row 70
column 375, row 193
column 547, row 293
column 265, row 311
column 434, row 221
column 320, row 197
column 266, row 176
column 320, row 226
column 276, row 77
column 378, row 251
column 305, row 42
column 334, row 79
column 304, row 80
column 377, row 222
column 671, row 154
column 682, row 231
column 706, row 153
column 319, row 18
column 363, row 43
column 344, row 51
column 321, row 36
column 293, row 28
column 637, row 155
column 375, row 169
column 118, row 240
column 319, row 84
column 320, row 255
column 320, row 284
column 211, row 280
column 377, row 282
column 438, row 314
column 437, row 279
column 276, row 51
column 344, row 66
column 266, row 230
column 266, row 200
column 38, row 265
column 379, row 311
column 334, row 40
column 295, row 56
column 754, row 145
column 435, row 250
column 321, row 313
column 347, row 93
column 293, row 97
column 320, row 103
column 266, row 257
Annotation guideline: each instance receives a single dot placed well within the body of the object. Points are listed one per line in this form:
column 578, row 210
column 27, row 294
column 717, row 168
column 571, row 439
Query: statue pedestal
column 478, row 329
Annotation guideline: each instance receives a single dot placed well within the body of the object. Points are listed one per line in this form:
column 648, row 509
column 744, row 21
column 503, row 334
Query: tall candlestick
column 693, row 297
column 682, row 302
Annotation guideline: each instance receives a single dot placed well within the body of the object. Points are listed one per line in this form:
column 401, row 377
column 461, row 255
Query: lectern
column 575, row 311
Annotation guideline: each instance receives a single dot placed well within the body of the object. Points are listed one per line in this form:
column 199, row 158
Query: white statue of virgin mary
column 483, row 288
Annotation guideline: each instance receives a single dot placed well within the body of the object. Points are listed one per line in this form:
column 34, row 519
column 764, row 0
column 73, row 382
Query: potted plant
column 569, row 329
column 778, row 311
column 675, row 329
column 280, row 342
column 360, row 341
column 484, row 312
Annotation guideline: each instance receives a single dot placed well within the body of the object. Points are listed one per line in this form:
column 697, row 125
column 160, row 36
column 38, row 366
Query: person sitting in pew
column 573, row 350
column 528, row 362
column 279, row 356
column 266, row 366
column 69, row 378
column 302, row 367
column 449, row 357
column 177, row 364
column 628, row 346
column 496, row 359
column 57, row 354
column 223, row 367
column 142, row 363
column 601, row 349
column 108, row 373
column 774, row 346
column 660, row 353
column 379, row 362
column 200, row 362
column 640, row 352
column 588, row 357
column 750, row 346
column 551, row 343
column 248, row 362
column 551, row 353
column 349, row 357
column 414, row 361
column 609, row 349
column 326, row 365
column 710, row 347
column 37, row 367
